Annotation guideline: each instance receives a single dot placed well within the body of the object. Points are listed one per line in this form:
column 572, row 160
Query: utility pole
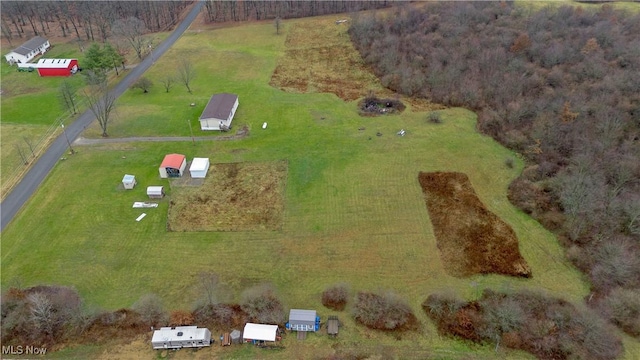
column 66, row 137
column 191, row 130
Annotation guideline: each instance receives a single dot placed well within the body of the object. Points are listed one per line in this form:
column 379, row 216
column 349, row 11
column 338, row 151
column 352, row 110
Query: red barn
column 57, row 67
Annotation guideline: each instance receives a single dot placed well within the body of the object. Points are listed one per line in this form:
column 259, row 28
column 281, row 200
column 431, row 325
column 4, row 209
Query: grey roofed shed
column 236, row 336
column 302, row 320
column 219, row 112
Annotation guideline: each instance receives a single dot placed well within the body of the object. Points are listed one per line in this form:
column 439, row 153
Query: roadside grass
column 354, row 210
column 31, row 109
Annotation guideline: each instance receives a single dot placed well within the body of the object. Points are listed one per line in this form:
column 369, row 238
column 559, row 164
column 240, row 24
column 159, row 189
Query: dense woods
column 561, row 86
column 87, row 20
column 219, row 11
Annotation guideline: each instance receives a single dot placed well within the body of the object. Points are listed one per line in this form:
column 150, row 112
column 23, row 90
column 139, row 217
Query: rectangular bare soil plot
column 472, row 240
column 233, row 197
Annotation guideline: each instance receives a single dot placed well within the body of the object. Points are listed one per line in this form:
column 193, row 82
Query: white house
column 173, row 165
column 260, row 333
column 27, row 51
column 199, row 167
column 181, row 336
column 219, row 112
column 129, row 181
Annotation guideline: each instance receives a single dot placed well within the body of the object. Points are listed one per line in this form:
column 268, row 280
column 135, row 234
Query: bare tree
column 143, row 84
column 67, row 97
column 186, row 73
column 24, row 158
column 150, row 307
column 133, row 30
column 101, row 103
column 30, row 145
column 208, row 286
column 42, row 313
column 167, row 82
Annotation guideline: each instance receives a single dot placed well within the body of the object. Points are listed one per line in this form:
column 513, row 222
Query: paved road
column 31, row 181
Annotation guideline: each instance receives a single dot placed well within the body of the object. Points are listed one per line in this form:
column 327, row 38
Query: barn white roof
column 54, row 63
column 199, row 164
column 260, row 332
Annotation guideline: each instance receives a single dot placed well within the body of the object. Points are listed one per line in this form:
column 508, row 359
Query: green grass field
column 354, row 211
column 31, row 111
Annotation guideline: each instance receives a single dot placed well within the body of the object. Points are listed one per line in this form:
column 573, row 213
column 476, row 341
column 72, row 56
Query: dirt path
column 84, row 141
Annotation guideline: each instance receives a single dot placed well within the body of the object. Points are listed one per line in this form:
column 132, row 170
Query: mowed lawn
column 354, row 211
column 30, row 111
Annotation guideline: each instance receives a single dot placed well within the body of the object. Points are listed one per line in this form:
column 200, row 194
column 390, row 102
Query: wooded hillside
column 561, row 86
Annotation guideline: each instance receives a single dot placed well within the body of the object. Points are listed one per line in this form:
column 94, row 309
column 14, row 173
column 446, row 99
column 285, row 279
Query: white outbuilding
column 199, row 167
column 258, row 333
column 129, row 181
column 155, row 192
column 181, row 337
column 173, row 165
column 219, row 112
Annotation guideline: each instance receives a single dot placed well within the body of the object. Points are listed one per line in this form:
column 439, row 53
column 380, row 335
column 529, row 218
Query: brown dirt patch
column 320, row 58
column 472, row 240
column 233, row 197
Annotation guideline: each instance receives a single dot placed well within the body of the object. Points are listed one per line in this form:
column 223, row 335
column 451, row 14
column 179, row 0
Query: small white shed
column 155, row 192
column 199, row 167
column 129, row 181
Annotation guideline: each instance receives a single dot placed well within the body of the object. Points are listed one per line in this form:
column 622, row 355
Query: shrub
column 222, row 316
column 143, row 84
column 336, row 297
column 385, row 311
column 435, row 118
column 262, row 305
column 181, row 318
column 150, row 308
column 547, row 327
column 508, row 162
column 622, row 307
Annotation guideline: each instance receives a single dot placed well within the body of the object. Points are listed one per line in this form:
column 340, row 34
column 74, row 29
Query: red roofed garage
column 57, row 67
column 173, row 166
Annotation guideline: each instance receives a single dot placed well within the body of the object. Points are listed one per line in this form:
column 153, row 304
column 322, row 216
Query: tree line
column 220, row 11
column 88, row 20
column 561, row 86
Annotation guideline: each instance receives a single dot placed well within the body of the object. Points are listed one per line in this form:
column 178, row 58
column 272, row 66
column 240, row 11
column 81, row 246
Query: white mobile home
column 199, row 167
column 181, row 337
column 219, row 112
